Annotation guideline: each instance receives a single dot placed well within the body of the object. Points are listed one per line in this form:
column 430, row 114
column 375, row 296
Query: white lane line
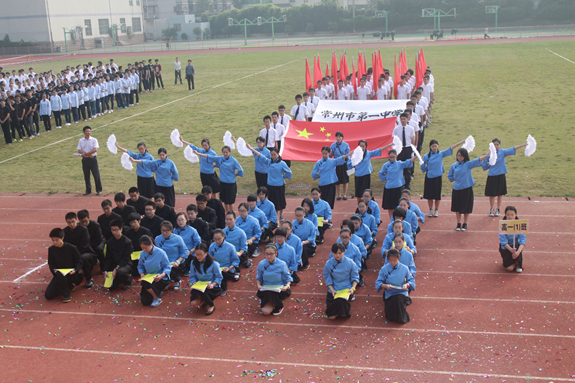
column 482, row 250
column 307, row 325
column 21, row 259
column 294, row 364
column 151, row 109
column 558, row 55
column 30, row 272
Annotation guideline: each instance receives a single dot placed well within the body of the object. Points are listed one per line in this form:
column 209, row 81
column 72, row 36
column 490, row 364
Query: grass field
column 498, row 90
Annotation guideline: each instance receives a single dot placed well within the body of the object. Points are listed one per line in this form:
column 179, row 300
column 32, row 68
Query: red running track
column 470, row 320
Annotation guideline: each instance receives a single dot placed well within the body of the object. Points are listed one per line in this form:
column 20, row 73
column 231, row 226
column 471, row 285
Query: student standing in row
column 324, row 169
column 146, row 182
column 178, row 71
column 208, row 175
column 166, row 173
column 190, row 74
column 338, row 149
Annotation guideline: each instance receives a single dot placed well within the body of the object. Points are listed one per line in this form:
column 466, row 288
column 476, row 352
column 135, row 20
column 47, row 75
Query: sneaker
column 518, row 270
column 492, row 213
column 436, row 214
column 256, row 252
column 430, row 213
column 344, row 198
column 58, row 127
column 156, row 302
column 68, row 297
column 248, row 264
column 224, row 292
column 458, row 228
column 305, row 267
column 186, row 273
column 89, row 284
column 277, row 311
column 68, row 124
column 177, row 286
column 352, row 298
column 464, row 227
column 282, row 216
column 497, row 213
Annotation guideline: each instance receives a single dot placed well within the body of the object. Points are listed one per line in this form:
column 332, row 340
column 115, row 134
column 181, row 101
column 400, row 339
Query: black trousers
column 122, row 277
column 190, row 79
column 157, row 287
column 88, row 108
column 89, row 260
column 37, row 121
column 83, row 111
column 159, row 80
column 29, row 124
column 136, row 95
column 232, row 275
column 47, row 122
column 91, row 165
column 153, row 82
column 57, row 118
column 104, row 104
column 146, row 84
column 100, row 252
column 67, row 115
column 120, row 100
column 7, row 132
column 60, row 285
column 178, row 74
column 269, row 232
column 176, row 272
column 111, row 100
column 75, row 115
column 405, row 155
column 307, row 250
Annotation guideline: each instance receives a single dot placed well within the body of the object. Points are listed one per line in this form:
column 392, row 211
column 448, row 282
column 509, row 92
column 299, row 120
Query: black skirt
column 147, row 186
column 207, row 296
column 228, row 193
column 362, row 183
column 273, row 297
column 277, row 195
column 341, row 172
column 496, row 185
column 391, row 198
column 432, row 188
column 211, row 180
column 462, row 201
column 508, row 257
column 261, row 179
column 396, row 308
column 169, row 193
column 328, row 194
column 339, row 306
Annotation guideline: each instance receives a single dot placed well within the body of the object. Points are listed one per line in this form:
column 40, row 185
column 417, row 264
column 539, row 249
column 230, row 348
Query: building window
column 122, row 20
column 131, row 2
column 136, row 24
column 104, row 26
column 88, row 27
column 137, row 2
column 178, row 27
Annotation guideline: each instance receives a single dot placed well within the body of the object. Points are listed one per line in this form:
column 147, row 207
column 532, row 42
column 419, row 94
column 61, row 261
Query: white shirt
column 342, row 94
column 321, row 94
column 310, row 107
column 423, row 104
column 314, row 100
column 362, row 93
column 302, row 113
column 381, row 93
column 280, row 130
column 88, row 145
column 427, row 90
column 272, row 136
column 177, row 65
column 350, row 92
column 403, row 92
column 409, row 133
column 284, row 120
column 419, row 111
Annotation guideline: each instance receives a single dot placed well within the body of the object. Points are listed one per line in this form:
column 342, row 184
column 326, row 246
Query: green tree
column 203, row 6
column 169, row 33
column 207, row 33
column 309, row 28
column 198, row 32
column 184, row 36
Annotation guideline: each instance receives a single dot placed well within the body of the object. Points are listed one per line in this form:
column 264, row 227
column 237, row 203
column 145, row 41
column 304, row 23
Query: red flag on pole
column 345, row 66
column 422, row 59
column 380, row 62
column 334, row 73
column 316, row 72
column 353, row 77
column 396, row 77
column 341, row 71
column 360, row 71
column 364, row 63
column 403, row 63
column 307, row 76
column 303, row 140
column 374, row 75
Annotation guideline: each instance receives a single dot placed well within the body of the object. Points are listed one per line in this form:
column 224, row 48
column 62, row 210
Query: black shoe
column 87, row 193
column 304, row 267
column 67, row 298
column 361, row 283
column 89, row 284
column 311, row 255
column 99, row 193
column 458, row 228
column 464, row 227
column 277, row 311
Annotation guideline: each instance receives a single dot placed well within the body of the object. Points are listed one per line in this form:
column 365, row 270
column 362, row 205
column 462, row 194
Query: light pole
column 492, row 9
column 258, row 21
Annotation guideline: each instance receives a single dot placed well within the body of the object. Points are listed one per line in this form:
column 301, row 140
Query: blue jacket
column 277, row 171
column 340, row 274
column 111, row 87
column 141, row 170
column 339, row 150
column 65, row 99
column 228, row 167
column 294, row 241
column 325, row 170
column 212, row 274
column 414, row 208
column 189, row 235
column 461, row 174
column 236, row 237
column 250, row 226
column 322, row 209
column 74, row 99
column 174, row 246
column 259, row 216
column 156, row 262
column 45, row 108
column 388, row 243
column 375, row 211
column 392, row 172
column 369, row 221
column 225, row 254
column 268, row 209
column 261, row 167
column 407, row 229
column 166, row 171
column 433, row 164
column 364, row 167
column 287, row 254
column 351, row 252
column 358, row 242
column 206, row 166
column 276, row 273
column 304, row 230
column 364, row 233
column 500, row 166
column 397, row 276
column 507, row 239
column 407, row 259
column 313, row 218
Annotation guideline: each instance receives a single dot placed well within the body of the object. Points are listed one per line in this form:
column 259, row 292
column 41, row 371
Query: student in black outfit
column 137, row 201
column 5, row 121
column 97, row 240
column 201, row 226
column 164, row 211
column 136, row 232
column 206, row 213
column 14, row 121
column 216, row 205
column 62, row 256
column 122, row 209
column 78, row 236
column 118, row 257
column 151, row 221
column 105, row 219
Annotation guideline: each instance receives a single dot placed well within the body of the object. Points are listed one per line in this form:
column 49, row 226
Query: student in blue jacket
column 392, row 174
column 225, row 254
column 153, row 260
column 269, row 209
column 293, row 240
column 261, row 168
column 321, row 209
column 433, row 168
column 251, row 227
column 176, row 249
column 396, row 279
column 146, row 182
column 230, row 168
column 363, row 169
column 166, row 173
column 511, row 245
column 413, row 206
column 237, row 237
column 462, row 194
column 324, row 169
column 305, row 230
column 287, row 254
column 389, row 244
column 496, row 185
column 338, row 149
column 205, row 269
column 339, row 273
column 208, row 175
column 405, row 255
column 272, row 271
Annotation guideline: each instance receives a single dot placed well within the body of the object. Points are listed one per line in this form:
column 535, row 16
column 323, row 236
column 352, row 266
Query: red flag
column 374, row 75
column 360, row 71
column 345, row 66
column 422, row 59
column 396, row 78
column 307, row 76
column 334, row 73
column 341, row 71
column 380, row 62
column 316, row 72
column 364, row 63
column 303, row 140
column 403, row 63
column 353, row 77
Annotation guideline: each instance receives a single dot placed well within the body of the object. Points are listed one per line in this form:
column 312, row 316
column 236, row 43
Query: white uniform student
column 349, row 88
column 271, row 135
column 403, row 91
column 342, row 94
column 320, row 93
column 299, row 111
column 309, row 105
column 277, row 126
column 363, row 92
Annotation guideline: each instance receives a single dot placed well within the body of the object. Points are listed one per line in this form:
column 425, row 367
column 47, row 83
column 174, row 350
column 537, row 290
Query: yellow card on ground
column 109, row 280
column 276, row 288
column 135, row 255
column 149, row 278
column 201, row 286
column 319, row 221
column 345, row 293
column 64, row 271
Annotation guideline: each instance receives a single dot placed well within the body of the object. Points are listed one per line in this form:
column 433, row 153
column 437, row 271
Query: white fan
column 112, row 144
column 190, row 155
column 228, row 140
column 126, row 163
column 414, row 149
column 175, row 137
column 469, row 144
column 242, row 148
column 357, row 156
column 531, row 146
column 492, row 154
column 397, row 144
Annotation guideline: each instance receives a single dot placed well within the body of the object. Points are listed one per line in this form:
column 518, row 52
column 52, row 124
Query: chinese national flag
column 303, row 140
column 307, row 76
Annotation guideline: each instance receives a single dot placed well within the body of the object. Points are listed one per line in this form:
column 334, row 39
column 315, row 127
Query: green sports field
column 504, row 90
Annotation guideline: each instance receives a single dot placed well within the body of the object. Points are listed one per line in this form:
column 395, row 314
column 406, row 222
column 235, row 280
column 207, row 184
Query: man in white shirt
column 327, row 88
column 280, row 129
column 320, row 92
column 403, row 91
column 112, row 64
column 313, row 99
column 178, row 71
column 88, row 148
column 299, row 111
column 427, row 92
column 349, row 88
column 341, row 91
column 363, row 92
column 331, row 86
column 269, row 134
column 381, row 91
column 407, row 136
column 309, row 105
column 284, row 120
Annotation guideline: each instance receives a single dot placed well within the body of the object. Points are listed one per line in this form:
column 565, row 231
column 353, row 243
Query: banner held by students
column 353, row 111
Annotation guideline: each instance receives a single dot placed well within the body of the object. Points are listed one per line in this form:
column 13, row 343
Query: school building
column 177, row 14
